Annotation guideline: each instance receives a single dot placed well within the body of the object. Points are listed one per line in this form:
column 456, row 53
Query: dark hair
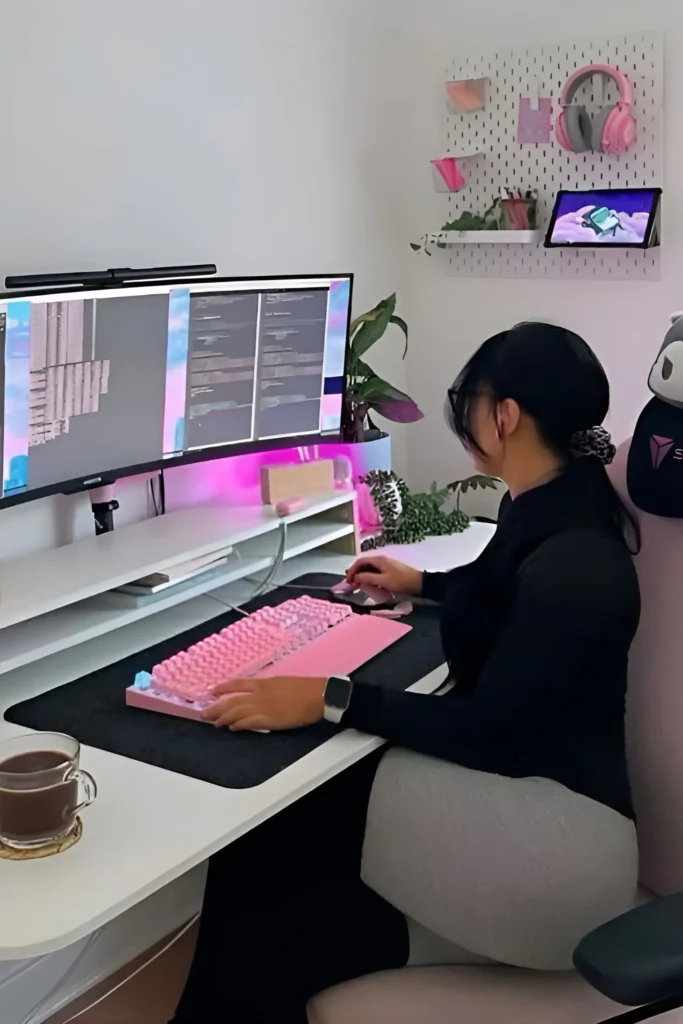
column 555, row 378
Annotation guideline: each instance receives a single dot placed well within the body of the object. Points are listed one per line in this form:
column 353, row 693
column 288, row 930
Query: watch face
column 338, row 693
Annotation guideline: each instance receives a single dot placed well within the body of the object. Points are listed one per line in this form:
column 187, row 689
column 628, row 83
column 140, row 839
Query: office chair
column 636, row 958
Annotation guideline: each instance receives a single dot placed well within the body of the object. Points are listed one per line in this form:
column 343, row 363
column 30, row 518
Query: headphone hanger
column 605, row 72
column 597, row 126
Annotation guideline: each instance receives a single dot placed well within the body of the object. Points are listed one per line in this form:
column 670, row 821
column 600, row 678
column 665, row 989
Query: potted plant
column 510, row 211
column 406, row 518
column 366, row 391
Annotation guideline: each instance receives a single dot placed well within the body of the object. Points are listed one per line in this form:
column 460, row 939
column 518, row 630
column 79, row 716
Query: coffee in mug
column 39, row 789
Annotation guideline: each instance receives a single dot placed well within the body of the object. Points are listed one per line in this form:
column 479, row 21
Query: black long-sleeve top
column 536, row 633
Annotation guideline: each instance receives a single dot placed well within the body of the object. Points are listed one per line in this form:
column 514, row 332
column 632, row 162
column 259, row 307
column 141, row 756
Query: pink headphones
column 611, row 130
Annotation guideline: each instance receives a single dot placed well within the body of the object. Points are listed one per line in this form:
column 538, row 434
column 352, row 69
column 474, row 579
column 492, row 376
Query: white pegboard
column 548, row 168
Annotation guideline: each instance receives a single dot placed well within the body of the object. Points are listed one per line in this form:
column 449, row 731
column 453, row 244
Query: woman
column 501, row 827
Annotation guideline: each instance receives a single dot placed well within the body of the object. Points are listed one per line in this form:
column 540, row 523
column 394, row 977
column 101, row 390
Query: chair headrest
column 654, row 717
column 655, row 460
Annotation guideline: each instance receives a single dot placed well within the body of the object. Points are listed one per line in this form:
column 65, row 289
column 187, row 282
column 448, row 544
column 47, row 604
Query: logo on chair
column 659, row 449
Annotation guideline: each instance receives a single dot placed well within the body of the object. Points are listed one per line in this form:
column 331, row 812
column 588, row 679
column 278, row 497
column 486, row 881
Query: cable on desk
column 158, row 501
column 261, row 585
column 276, row 566
column 302, row 586
column 227, row 604
column 133, row 974
column 153, row 496
column 162, row 493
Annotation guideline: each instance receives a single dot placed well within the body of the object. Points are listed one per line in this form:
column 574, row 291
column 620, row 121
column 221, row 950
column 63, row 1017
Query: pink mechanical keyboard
column 302, row 637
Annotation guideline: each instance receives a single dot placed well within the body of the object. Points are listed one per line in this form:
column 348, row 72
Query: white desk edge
column 149, row 826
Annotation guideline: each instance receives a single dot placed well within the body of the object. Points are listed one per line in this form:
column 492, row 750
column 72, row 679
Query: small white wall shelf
column 483, row 238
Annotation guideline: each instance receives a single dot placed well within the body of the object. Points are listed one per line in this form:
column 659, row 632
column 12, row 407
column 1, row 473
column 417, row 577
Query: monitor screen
column 609, row 217
column 100, row 383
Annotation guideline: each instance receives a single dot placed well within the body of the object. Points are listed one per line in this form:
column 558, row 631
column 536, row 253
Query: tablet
column 611, row 218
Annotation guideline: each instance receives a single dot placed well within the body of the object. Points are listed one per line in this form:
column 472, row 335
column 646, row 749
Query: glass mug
column 39, row 789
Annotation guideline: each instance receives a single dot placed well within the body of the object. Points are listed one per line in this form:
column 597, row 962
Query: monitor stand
column 103, row 504
column 56, row 599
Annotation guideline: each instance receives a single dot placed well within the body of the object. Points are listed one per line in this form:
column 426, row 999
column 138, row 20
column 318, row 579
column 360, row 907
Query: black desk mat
column 93, row 708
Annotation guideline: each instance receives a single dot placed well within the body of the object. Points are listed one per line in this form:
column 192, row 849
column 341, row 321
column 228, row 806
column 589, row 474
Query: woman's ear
column 507, row 417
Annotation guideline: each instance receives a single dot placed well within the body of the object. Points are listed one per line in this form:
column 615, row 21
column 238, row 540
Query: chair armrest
column 636, row 958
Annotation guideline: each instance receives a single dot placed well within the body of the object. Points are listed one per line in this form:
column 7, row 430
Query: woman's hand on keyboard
column 380, row 571
column 284, row 702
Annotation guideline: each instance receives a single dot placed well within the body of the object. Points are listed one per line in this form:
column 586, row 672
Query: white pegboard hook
column 534, row 93
column 600, row 90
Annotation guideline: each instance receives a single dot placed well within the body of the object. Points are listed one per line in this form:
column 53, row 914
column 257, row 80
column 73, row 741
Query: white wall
column 450, row 317
column 261, row 136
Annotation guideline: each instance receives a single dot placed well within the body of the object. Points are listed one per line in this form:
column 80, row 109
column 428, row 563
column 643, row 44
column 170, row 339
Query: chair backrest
column 654, row 716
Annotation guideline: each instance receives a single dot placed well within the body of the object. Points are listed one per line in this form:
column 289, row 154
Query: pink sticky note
column 464, row 97
column 534, row 125
column 447, row 172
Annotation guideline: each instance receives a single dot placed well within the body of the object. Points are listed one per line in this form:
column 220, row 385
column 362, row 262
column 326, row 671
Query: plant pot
column 366, row 456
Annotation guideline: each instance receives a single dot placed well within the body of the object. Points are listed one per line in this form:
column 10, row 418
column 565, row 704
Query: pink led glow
column 237, row 480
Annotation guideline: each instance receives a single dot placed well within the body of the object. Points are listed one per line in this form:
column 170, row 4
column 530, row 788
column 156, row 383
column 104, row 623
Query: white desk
column 149, row 826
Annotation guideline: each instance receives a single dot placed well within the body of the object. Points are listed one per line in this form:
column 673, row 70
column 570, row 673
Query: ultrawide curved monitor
column 100, row 383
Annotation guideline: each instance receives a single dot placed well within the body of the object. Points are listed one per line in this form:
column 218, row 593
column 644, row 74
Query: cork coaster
column 9, row 853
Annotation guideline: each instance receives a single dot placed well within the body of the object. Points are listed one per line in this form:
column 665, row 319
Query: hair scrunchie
column 594, row 441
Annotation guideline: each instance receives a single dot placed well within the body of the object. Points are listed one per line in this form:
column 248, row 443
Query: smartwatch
column 337, row 698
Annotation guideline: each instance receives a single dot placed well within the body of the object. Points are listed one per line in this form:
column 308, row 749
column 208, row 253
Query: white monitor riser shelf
column 149, row 826
column 56, row 599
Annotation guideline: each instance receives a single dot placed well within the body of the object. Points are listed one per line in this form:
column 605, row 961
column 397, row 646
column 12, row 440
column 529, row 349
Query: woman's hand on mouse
column 283, row 702
column 380, row 571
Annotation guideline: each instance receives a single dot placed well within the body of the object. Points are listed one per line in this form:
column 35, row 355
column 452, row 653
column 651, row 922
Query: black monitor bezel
column 107, row 477
column 645, row 244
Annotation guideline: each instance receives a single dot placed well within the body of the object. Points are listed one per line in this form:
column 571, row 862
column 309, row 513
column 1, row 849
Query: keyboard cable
column 261, row 585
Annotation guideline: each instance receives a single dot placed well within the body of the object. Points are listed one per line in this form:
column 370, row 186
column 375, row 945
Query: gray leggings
column 488, row 868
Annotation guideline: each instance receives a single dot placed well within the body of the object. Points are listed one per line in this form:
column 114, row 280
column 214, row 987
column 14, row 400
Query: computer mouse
column 350, row 588
column 361, row 595
column 344, row 588
column 397, row 612
column 378, row 595
column 290, row 506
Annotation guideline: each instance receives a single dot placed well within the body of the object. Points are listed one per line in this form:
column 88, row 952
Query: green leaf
column 473, row 482
column 483, row 482
column 366, row 372
column 369, row 317
column 373, row 325
column 369, row 389
column 400, row 322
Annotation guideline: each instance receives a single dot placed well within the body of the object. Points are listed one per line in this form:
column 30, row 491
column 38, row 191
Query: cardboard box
column 296, row 481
